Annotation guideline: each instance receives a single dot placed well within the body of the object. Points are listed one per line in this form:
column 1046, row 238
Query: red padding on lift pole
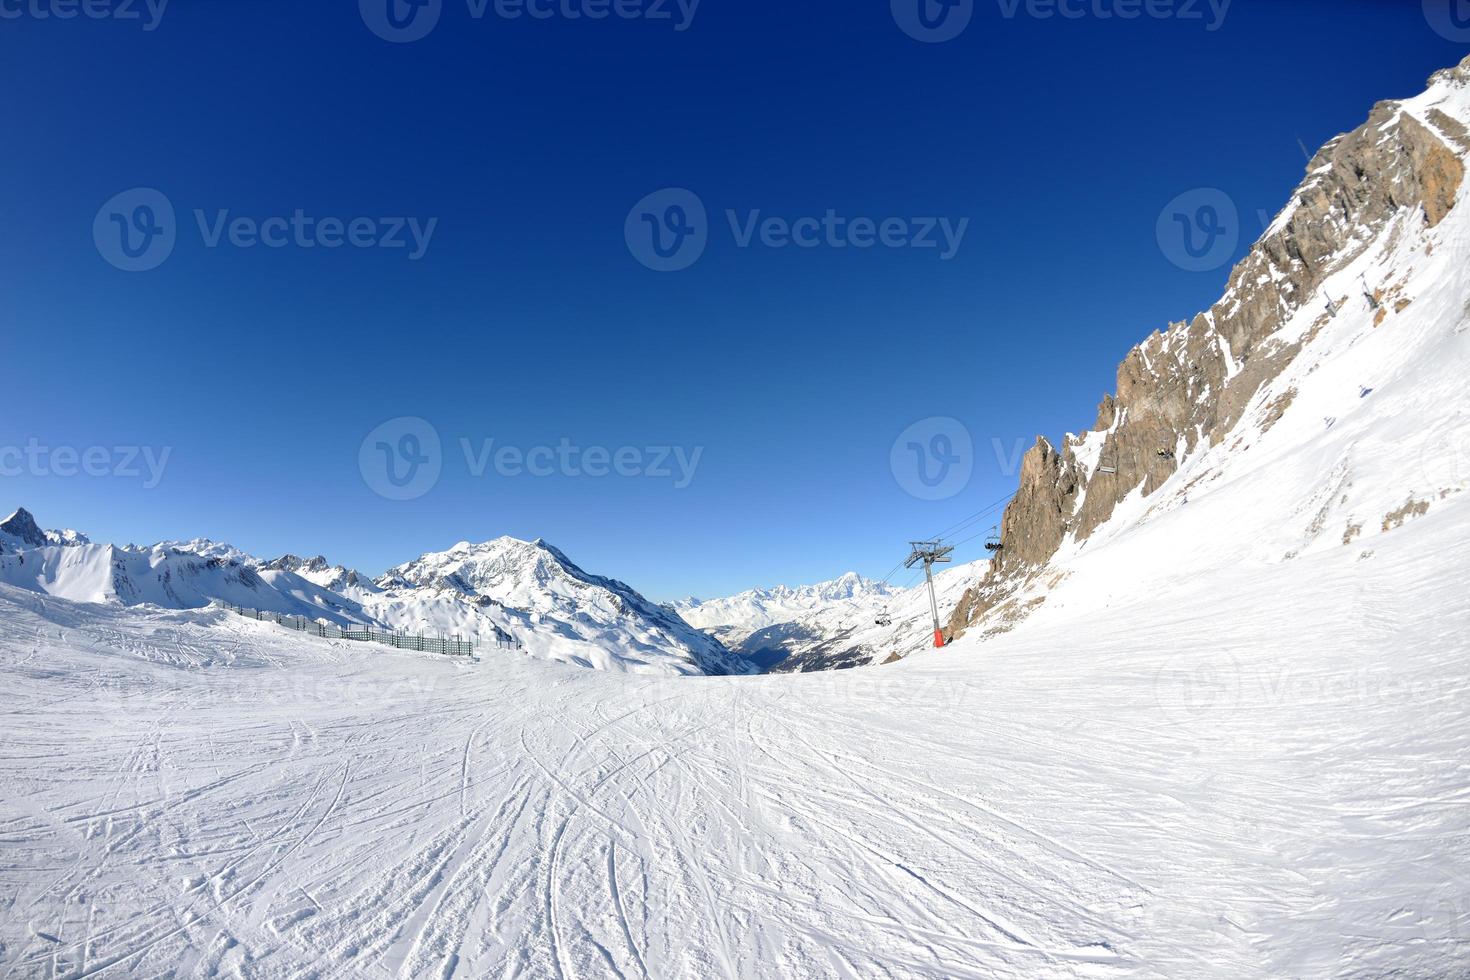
column 939, row 638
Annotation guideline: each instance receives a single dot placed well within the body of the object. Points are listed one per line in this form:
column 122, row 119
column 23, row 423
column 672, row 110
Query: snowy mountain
column 847, row 622
column 321, row 572
column 516, row 591
column 20, row 531
column 1319, row 406
column 67, row 565
column 557, row 609
column 765, row 607
column 735, row 617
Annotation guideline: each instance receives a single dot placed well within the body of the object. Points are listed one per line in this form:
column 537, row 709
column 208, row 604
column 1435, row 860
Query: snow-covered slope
column 172, row 576
column 559, row 611
column 527, row 594
column 1320, row 405
column 321, row 572
column 749, row 611
column 19, row 531
column 831, row 625
column 735, row 619
column 1257, row 774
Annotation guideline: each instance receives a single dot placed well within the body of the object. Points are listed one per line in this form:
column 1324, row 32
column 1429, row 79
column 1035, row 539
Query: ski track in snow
column 248, row 801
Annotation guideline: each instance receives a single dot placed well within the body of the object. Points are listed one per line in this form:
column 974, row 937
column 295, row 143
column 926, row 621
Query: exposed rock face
column 23, row 529
column 321, row 572
column 20, row 532
column 1184, row 389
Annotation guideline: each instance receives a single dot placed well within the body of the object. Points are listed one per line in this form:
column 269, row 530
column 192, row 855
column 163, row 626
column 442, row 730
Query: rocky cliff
column 1185, row 389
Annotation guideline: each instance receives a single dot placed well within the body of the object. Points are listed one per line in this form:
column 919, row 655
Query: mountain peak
column 23, row 528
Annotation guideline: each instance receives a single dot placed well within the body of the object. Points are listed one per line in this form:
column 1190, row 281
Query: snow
column 558, row 611
column 740, row 615
column 1230, row 779
column 524, row 591
column 840, row 618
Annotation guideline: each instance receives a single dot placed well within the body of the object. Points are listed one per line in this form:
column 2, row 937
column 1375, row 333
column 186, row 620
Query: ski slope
column 193, row 793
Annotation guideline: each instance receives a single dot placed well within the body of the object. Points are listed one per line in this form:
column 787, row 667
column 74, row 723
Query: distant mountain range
column 506, row 588
column 849, row 621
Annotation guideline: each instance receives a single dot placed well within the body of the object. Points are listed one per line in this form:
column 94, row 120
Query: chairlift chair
column 1108, row 463
column 883, row 618
column 993, row 542
column 1372, row 300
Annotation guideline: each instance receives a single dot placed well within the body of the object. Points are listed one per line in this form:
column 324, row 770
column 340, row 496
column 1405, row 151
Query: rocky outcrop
column 23, row 530
column 1184, row 389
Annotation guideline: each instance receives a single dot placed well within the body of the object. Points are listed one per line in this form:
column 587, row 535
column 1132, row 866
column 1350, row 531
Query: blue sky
column 529, row 319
